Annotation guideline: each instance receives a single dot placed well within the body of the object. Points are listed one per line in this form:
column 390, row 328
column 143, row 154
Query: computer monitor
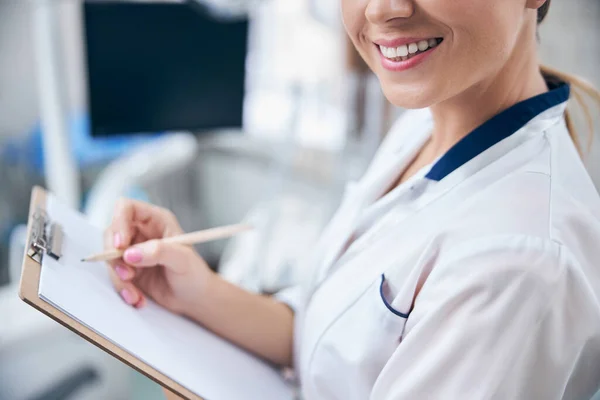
column 155, row 67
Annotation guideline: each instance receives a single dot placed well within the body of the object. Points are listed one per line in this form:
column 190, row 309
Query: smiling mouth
column 407, row 51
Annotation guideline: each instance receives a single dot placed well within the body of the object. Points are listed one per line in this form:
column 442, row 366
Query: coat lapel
column 382, row 173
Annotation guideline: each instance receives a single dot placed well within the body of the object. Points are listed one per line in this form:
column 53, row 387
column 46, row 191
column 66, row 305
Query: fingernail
column 141, row 303
column 122, row 272
column 133, row 255
column 127, row 296
column 117, row 240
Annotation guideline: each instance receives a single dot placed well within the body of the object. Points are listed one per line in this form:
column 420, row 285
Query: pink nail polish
column 117, row 240
column 133, row 255
column 122, row 272
column 127, row 296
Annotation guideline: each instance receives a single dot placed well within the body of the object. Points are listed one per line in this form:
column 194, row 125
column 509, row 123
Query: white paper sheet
column 190, row 355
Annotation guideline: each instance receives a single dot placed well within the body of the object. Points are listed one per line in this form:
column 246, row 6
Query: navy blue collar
column 496, row 129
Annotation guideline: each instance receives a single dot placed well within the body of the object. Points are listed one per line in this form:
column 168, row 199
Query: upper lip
column 401, row 41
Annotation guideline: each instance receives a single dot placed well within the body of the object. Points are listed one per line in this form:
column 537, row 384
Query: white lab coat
column 477, row 279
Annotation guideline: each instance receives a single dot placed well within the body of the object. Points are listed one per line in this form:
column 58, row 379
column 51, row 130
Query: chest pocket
column 397, row 307
column 357, row 346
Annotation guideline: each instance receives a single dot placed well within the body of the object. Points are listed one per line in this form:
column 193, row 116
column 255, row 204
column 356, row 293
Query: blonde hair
column 580, row 90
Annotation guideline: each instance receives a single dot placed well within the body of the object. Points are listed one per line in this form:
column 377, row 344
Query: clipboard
column 44, row 240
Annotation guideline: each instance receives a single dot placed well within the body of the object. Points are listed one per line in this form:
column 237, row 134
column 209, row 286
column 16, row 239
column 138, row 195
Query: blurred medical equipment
column 147, row 163
column 69, row 386
column 22, row 166
column 61, row 172
column 228, row 8
column 15, row 179
column 163, row 66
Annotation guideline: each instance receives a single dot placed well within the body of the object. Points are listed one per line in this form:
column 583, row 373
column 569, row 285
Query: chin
column 408, row 96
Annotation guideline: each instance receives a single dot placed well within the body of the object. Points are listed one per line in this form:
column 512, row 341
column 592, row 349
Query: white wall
column 19, row 108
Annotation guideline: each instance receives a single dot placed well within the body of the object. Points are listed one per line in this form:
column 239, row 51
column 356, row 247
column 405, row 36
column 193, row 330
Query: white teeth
column 402, row 50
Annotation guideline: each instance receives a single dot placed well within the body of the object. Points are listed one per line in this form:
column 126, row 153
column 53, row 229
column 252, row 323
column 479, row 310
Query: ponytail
column 580, row 89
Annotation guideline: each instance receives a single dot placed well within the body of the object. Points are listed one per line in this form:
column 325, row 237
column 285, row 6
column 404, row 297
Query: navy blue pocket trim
column 388, row 305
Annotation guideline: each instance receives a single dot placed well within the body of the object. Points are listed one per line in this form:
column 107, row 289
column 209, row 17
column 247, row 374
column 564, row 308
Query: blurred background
column 221, row 110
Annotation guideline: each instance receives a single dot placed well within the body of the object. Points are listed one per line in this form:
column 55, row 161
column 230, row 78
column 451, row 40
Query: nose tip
column 381, row 11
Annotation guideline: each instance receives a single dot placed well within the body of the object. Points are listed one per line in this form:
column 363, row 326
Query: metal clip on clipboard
column 46, row 237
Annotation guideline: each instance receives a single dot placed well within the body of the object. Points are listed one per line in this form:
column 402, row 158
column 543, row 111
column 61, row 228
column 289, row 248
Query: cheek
column 483, row 41
column 478, row 29
column 353, row 17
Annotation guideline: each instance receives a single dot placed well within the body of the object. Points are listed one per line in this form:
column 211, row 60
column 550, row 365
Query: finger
column 165, row 227
column 130, row 294
column 141, row 303
column 155, row 252
column 131, row 213
column 126, row 213
column 139, row 237
column 124, row 272
column 108, row 244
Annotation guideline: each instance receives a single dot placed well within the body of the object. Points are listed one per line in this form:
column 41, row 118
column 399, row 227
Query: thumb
column 174, row 257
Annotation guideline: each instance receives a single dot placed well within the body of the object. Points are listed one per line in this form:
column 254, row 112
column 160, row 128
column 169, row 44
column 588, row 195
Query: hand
column 170, row 274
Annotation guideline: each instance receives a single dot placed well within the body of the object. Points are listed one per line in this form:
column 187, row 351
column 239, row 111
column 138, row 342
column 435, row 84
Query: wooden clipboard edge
column 28, row 292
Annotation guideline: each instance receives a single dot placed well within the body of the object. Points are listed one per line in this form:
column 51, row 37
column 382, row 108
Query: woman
column 464, row 264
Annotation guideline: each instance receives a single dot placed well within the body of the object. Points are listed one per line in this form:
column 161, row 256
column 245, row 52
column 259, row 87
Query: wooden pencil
column 186, row 239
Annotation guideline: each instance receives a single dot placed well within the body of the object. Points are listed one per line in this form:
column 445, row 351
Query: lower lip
column 412, row 62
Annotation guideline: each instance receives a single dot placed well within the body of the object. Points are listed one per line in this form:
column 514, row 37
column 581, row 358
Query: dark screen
column 158, row 67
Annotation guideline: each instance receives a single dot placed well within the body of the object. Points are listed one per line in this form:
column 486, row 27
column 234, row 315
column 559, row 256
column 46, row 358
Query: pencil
column 186, row 239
